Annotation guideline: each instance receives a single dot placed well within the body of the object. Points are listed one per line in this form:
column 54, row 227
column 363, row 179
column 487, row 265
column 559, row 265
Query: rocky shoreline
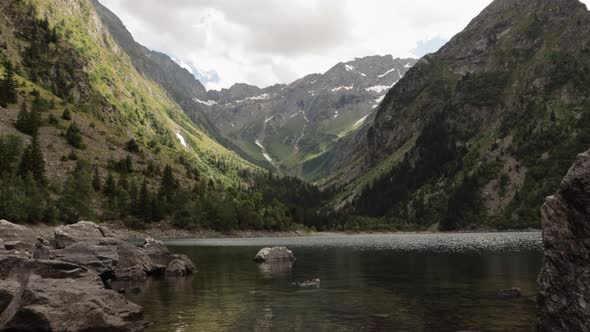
column 61, row 281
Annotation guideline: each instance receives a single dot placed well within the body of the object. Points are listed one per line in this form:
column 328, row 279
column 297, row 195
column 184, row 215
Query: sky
column 264, row 42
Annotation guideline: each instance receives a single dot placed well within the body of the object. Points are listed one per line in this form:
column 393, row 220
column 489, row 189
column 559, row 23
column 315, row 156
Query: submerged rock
column 274, row 254
column 511, row 293
column 314, row 283
column 564, row 283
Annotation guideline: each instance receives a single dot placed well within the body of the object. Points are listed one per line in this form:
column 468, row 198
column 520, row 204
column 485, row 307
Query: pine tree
column 74, row 136
column 66, row 115
column 109, row 185
column 76, row 198
column 143, row 208
column 132, row 146
column 24, row 121
column 8, row 85
column 168, row 183
column 96, row 182
column 32, row 162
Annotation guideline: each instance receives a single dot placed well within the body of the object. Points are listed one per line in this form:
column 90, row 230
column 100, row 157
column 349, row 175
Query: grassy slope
column 137, row 107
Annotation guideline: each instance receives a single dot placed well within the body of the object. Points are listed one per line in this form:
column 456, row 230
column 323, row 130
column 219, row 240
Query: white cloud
column 264, row 42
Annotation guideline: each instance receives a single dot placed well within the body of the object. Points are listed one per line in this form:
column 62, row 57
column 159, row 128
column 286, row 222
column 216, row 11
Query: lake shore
column 165, row 231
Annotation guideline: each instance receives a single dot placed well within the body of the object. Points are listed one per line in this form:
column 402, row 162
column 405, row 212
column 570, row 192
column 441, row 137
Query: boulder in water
column 274, row 254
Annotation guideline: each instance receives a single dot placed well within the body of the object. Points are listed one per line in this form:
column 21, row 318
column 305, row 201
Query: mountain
column 287, row 125
column 181, row 85
column 478, row 133
column 95, row 126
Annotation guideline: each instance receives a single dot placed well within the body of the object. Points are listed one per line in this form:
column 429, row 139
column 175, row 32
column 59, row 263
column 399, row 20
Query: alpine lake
column 401, row 282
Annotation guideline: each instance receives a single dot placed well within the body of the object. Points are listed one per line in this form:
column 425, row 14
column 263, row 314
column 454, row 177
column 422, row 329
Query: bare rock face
column 11, row 233
column 564, row 282
column 40, row 295
column 274, row 254
column 79, row 232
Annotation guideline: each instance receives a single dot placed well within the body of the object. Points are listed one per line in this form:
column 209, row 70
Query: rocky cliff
column 564, row 282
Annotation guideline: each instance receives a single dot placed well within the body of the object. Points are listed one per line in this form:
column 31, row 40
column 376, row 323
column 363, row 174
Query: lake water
column 417, row 282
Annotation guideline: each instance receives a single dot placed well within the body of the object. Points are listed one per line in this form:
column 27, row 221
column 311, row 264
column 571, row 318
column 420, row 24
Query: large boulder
column 12, row 233
column 564, row 282
column 100, row 258
column 80, row 232
column 57, row 296
column 274, row 254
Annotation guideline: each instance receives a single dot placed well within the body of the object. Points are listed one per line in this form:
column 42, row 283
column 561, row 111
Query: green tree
column 66, row 115
column 168, row 184
column 109, row 185
column 96, row 181
column 32, row 162
column 132, row 146
column 76, row 197
column 8, row 85
column 27, row 122
column 74, row 136
column 11, row 148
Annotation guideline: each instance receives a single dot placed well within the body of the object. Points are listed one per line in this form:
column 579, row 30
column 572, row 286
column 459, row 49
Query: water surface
column 413, row 282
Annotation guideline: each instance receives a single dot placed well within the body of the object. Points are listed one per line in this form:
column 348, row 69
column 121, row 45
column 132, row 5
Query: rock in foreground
column 275, row 254
column 38, row 295
column 564, row 282
column 61, row 284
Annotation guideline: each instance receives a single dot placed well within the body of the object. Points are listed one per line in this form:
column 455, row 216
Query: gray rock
column 80, row 232
column 100, row 258
column 189, row 265
column 564, row 282
column 274, row 254
column 2, row 245
column 157, row 251
column 176, row 268
column 56, row 296
column 43, row 252
column 17, row 245
column 10, row 232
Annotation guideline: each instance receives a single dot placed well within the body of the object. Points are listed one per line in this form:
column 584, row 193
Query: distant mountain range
column 285, row 125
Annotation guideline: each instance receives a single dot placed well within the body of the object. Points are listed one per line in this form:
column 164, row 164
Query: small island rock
column 274, row 254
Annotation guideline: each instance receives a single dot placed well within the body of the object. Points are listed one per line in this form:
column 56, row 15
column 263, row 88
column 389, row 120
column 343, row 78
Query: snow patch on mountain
column 208, row 102
column 387, row 73
column 361, row 121
column 182, row 141
column 343, row 88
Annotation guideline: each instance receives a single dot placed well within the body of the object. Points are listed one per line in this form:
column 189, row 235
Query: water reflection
column 367, row 284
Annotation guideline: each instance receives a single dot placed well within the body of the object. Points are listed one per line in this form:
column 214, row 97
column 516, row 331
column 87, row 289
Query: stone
column 10, row 232
column 100, row 258
column 176, row 268
column 563, row 297
column 189, row 265
column 274, row 254
column 59, row 296
column 314, row 283
column 17, row 245
column 43, row 252
column 511, row 293
column 80, row 232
